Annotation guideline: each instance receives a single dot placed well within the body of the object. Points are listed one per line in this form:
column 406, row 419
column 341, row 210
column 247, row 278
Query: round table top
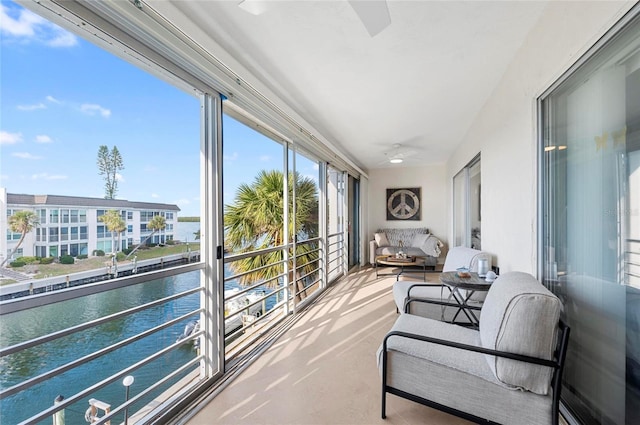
column 389, row 260
column 473, row 282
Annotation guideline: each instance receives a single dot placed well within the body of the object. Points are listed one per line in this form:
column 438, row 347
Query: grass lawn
column 55, row 269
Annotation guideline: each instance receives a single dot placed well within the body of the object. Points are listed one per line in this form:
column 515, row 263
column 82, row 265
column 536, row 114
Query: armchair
column 457, row 257
column 509, row 371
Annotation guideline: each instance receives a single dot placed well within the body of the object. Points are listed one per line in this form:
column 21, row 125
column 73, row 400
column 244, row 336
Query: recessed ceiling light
column 395, row 160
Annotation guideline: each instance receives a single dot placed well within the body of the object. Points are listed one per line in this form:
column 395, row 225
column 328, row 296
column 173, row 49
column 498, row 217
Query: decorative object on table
column 483, row 267
column 401, row 253
column 403, row 204
column 463, row 272
column 491, row 276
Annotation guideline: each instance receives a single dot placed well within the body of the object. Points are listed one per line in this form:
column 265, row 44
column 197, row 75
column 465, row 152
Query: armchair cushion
column 506, row 325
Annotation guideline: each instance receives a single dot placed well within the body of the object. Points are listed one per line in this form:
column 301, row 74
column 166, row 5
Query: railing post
column 58, row 417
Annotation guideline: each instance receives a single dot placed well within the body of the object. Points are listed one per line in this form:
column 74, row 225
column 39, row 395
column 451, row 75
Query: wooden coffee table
column 408, row 265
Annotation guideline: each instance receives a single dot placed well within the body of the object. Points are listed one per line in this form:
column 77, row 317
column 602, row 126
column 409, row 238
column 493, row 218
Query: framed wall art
column 404, row 204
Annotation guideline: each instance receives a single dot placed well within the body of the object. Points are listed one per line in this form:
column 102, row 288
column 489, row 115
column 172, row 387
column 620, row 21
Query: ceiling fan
column 374, row 14
column 399, row 154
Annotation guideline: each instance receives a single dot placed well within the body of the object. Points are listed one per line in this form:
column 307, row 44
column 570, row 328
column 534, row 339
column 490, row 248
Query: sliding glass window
column 590, row 224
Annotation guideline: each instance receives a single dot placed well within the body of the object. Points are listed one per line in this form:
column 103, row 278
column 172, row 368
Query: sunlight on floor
column 323, row 370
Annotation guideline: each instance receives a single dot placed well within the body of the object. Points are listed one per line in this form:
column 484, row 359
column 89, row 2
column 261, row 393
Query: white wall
column 505, row 129
column 432, row 180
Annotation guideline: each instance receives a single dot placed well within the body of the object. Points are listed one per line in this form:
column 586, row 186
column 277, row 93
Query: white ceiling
column 420, row 82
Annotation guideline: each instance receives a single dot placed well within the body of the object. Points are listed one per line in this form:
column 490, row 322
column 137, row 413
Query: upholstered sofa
column 415, row 241
column 509, row 371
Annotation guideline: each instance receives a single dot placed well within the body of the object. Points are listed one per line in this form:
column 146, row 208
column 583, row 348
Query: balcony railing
column 81, row 342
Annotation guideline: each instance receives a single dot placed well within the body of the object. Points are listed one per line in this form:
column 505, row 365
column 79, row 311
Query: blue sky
column 62, row 97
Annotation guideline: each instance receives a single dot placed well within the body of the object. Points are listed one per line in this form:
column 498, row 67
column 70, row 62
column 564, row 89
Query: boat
column 233, row 303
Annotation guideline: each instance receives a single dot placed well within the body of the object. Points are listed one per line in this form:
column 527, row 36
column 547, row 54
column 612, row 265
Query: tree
column 109, row 163
column 255, row 221
column 116, row 225
column 156, row 224
column 21, row 222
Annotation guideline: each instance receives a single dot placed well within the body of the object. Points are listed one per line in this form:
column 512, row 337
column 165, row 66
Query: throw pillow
column 381, row 239
column 420, row 240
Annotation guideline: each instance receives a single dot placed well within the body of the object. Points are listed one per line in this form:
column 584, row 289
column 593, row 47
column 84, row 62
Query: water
column 29, row 324
column 36, row 322
column 185, row 231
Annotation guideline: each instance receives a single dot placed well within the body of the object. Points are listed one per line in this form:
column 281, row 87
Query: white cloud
column 25, row 155
column 7, row 138
column 61, row 38
column 47, row 176
column 155, row 195
column 231, row 157
column 119, row 177
column 43, row 138
column 182, row 202
column 265, row 158
column 25, row 26
column 316, row 167
column 93, row 109
column 33, row 107
column 53, row 100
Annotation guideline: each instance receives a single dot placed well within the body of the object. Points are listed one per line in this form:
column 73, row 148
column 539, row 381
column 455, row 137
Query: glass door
column 466, row 206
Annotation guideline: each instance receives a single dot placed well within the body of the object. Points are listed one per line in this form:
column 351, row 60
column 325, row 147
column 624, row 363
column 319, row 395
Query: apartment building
column 71, row 225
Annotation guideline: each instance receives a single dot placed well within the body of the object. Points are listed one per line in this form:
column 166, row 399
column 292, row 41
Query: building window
column 64, row 233
column 82, row 215
column 64, row 250
column 53, row 234
column 101, row 232
column 130, row 228
column 74, row 233
column 83, row 232
column 53, row 216
column 42, row 216
column 74, row 216
column 129, row 215
column 65, row 216
column 590, row 224
column 168, row 215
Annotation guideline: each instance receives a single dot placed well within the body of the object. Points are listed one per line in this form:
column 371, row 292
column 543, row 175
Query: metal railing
column 106, row 348
column 90, row 357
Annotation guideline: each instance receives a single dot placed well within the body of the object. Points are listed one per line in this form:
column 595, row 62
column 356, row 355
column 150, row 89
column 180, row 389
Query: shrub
column 152, row 245
column 98, row 253
column 67, row 259
column 27, row 260
column 171, row 242
column 82, row 256
column 46, row 260
column 121, row 256
column 17, row 263
column 127, row 251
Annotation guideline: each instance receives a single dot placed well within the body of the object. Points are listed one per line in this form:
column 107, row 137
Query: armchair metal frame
column 556, row 381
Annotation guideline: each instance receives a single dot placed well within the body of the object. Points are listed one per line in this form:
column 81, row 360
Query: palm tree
column 21, row 222
column 255, row 221
column 156, row 224
column 116, row 225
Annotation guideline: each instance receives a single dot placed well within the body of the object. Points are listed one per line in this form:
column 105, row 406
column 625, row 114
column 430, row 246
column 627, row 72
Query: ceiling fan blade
column 373, row 14
column 255, row 7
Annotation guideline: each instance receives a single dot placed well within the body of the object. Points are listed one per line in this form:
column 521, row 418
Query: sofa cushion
column 520, row 316
column 381, row 239
column 405, row 235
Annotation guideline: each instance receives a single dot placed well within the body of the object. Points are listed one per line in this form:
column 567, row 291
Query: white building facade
column 71, row 225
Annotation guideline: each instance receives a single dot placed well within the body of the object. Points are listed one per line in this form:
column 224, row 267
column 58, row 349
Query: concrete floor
column 323, row 369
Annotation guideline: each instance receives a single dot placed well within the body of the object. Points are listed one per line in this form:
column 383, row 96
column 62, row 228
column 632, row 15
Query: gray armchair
column 457, row 257
column 509, row 371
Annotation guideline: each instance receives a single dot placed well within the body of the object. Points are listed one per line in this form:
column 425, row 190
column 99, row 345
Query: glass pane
column 459, row 209
column 591, row 233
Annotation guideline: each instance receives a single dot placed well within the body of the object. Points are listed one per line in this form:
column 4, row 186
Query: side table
column 471, row 284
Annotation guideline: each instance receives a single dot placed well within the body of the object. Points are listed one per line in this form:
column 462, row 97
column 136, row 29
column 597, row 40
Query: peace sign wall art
column 403, row 204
